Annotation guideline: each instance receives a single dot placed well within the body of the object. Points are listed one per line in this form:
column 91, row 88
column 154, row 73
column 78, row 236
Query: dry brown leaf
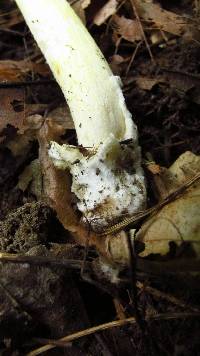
column 105, row 12
column 12, row 110
column 157, row 38
column 12, row 70
column 57, row 184
column 33, row 122
column 79, row 7
column 154, row 168
column 21, row 143
column 32, row 177
column 147, row 83
column 116, row 63
column 182, row 81
column 179, row 220
column 10, row 75
column 164, row 20
column 117, row 59
column 32, row 109
column 62, row 116
column 85, row 3
column 127, row 28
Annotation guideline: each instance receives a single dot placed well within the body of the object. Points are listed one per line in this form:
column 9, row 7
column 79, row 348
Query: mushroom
column 107, row 177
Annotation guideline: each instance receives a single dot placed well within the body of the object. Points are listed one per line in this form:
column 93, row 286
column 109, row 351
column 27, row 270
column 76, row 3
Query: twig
column 26, row 83
column 133, row 57
column 58, row 343
column 120, row 310
column 179, row 143
column 105, row 350
column 147, row 266
column 133, row 284
column 177, row 266
column 142, row 30
column 135, row 218
column 182, row 73
column 162, row 295
column 112, row 324
column 42, row 260
column 133, row 281
column 11, row 32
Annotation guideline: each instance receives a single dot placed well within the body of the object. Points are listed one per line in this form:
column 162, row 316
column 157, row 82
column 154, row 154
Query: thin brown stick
column 142, row 30
column 150, row 267
column 133, row 57
column 58, row 343
column 11, row 32
column 27, row 83
column 165, row 296
column 112, row 324
column 42, row 260
column 165, row 268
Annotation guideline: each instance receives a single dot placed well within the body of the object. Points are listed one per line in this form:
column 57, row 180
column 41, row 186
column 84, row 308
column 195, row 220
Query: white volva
column 110, row 182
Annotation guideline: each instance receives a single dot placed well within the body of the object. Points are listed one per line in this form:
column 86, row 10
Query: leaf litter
column 39, row 216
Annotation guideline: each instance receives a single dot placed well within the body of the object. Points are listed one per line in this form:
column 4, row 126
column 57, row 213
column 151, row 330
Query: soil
column 41, row 302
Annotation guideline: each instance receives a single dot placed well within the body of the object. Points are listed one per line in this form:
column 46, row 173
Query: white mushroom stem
column 92, row 92
column 109, row 182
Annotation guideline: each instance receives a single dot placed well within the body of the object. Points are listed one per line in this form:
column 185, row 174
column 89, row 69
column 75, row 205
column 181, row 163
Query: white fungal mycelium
column 107, row 177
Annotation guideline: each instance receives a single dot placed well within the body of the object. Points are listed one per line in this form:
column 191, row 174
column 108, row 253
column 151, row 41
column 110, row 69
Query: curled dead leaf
column 127, row 28
column 162, row 19
column 178, row 221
